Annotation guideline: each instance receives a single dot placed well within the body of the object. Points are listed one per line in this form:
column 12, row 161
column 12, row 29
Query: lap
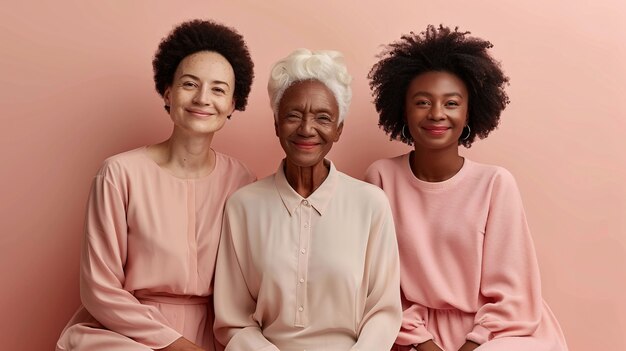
column 91, row 337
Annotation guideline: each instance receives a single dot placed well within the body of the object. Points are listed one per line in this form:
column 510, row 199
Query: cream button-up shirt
column 316, row 273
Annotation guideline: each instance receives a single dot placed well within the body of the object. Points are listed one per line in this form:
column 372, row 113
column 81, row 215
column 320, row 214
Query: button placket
column 305, row 211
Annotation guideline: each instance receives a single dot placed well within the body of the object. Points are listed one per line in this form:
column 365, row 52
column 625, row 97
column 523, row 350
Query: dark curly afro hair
column 439, row 49
column 198, row 35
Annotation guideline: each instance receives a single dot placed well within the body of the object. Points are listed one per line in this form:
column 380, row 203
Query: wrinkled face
column 436, row 106
column 307, row 122
column 201, row 95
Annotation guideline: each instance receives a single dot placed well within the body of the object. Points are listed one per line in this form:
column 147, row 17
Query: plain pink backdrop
column 76, row 86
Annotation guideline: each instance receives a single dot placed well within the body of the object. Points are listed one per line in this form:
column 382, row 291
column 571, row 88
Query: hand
column 469, row 346
column 428, row 346
column 181, row 344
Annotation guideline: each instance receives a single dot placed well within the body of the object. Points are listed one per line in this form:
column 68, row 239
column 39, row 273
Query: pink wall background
column 76, row 86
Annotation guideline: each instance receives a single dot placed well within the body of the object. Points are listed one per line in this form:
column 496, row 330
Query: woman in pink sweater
column 469, row 274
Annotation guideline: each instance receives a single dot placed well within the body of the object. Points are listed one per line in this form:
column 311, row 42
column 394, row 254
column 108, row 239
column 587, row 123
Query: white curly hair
column 326, row 66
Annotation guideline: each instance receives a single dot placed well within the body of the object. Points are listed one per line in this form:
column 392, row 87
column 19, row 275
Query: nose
column 306, row 127
column 436, row 112
column 202, row 96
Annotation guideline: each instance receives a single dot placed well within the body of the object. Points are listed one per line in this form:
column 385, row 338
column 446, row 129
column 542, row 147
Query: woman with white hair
column 308, row 259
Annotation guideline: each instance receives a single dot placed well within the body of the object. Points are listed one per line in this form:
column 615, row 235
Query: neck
column 435, row 165
column 185, row 155
column 305, row 180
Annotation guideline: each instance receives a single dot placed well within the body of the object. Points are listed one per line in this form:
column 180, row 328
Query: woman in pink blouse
column 308, row 258
column 154, row 213
column 469, row 274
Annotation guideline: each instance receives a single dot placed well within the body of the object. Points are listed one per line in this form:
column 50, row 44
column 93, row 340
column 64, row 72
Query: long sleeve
column 510, row 282
column 413, row 327
column 104, row 255
column 383, row 310
column 372, row 176
column 235, row 305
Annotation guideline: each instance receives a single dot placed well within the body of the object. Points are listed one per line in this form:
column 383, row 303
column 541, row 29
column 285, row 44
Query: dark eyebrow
column 198, row 79
column 429, row 94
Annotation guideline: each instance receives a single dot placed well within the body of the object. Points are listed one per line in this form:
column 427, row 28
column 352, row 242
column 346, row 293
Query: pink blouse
column 151, row 234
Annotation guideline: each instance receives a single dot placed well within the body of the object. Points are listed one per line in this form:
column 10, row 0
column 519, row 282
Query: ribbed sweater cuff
column 479, row 334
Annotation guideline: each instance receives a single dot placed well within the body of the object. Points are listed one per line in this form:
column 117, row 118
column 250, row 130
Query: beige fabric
column 320, row 273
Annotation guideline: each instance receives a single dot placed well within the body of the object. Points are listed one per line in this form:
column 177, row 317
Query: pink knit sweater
column 464, row 245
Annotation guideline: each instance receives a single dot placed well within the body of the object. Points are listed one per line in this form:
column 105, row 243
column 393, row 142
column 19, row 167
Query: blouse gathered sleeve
column 510, row 283
column 382, row 315
column 235, row 305
column 104, row 254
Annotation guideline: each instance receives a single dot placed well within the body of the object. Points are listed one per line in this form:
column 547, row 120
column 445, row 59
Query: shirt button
column 306, row 224
column 305, row 203
column 301, row 280
column 303, row 251
column 300, row 308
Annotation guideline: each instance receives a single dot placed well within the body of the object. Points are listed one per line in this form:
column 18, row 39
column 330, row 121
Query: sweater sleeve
column 510, row 284
column 235, row 326
column 413, row 326
column 413, row 329
column 104, row 253
column 372, row 176
column 382, row 316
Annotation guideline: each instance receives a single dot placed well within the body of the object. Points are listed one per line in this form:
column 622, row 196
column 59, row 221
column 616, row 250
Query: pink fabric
column 148, row 255
column 467, row 262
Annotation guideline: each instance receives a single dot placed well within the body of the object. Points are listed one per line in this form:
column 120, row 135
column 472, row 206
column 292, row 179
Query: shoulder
column 495, row 180
column 362, row 192
column 123, row 163
column 234, row 168
column 386, row 170
column 494, row 174
column 386, row 164
column 252, row 193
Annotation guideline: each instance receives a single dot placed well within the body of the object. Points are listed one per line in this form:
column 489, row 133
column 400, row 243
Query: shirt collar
column 320, row 197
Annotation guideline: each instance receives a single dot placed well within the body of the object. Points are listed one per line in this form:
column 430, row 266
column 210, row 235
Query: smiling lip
column 436, row 130
column 199, row 113
column 304, row 146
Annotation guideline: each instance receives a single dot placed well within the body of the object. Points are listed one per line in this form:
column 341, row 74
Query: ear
column 232, row 108
column 166, row 96
column 275, row 127
column 339, row 130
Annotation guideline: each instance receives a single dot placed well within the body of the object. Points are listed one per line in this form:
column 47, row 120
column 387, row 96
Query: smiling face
column 307, row 123
column 436, row 106
column 201, row 95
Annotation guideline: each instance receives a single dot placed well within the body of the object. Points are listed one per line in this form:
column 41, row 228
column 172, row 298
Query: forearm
column 428, row 345
column 469, row 346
